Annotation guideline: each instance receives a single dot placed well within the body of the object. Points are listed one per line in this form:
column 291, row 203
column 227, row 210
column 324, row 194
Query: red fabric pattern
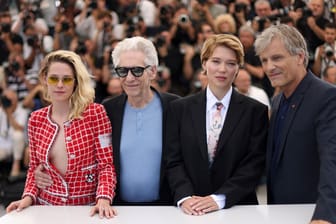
column 90, row 173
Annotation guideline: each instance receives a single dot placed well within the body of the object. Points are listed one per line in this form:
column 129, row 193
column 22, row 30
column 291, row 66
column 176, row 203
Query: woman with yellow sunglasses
column 71, row 138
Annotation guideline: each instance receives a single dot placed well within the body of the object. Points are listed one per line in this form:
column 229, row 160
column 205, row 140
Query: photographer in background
column 175, row 64
column 182, row 30
column 263, row 12
column 241, row 10
column 287, row 8
column 165, row 16
column 27, row 16
column 6, row 44
column 206, row 10
column 162, row 81
column 311, row 26
column 133, row 23
column 12, row 138
column 64, row 34
column 16, row 77
column 325, row 53
column 329, row 75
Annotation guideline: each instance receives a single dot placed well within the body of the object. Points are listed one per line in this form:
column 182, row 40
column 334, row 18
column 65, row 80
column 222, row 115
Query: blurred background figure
column 329, row 75
column 114, row 87
column 12, row 138
column 225, row 23
column 325, row 53
column 252, row 63
column 244, row 85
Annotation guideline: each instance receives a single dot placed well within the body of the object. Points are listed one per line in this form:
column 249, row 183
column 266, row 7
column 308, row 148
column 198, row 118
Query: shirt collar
column 212, row 100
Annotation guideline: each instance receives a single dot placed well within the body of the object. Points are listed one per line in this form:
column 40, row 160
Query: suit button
column 68, row 138
column 64, row 199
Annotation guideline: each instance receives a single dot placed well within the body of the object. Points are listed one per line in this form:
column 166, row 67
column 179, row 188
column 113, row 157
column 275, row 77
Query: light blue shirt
column 140, row 152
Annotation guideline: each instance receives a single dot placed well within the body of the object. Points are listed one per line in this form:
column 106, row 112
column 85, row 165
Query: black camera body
column 166, row 9
column 307, row 12
column 160, row 41
column 81, row 48
column 329, row 52
column 14, row 66
column 93, row 4
column 239, row 7
column 5, row 102
column 202, row 2
column 65, row 26
column 32, row 40
column 5, row 27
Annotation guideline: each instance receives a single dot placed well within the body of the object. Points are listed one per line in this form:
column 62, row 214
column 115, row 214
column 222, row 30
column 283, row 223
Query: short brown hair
column 227, row 40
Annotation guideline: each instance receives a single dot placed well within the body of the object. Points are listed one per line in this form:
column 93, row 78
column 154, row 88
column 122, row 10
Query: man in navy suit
column 203, row 180
column 301, row 148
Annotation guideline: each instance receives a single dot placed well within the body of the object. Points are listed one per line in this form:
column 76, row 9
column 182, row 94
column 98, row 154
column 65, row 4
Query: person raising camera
column 325, row 53
column 12, row 124
column 311, row 26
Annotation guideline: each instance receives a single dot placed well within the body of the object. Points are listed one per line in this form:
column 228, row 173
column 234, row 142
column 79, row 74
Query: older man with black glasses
column 138, row 121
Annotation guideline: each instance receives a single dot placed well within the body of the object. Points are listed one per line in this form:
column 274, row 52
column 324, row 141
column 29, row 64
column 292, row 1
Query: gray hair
column 246, row 28
column 136, row 44
column 290, row 37
column 260, row 2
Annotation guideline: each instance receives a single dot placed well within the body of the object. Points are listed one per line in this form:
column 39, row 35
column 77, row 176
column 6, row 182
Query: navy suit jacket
column 240, row 158
column 115, row 108
column 305, row 168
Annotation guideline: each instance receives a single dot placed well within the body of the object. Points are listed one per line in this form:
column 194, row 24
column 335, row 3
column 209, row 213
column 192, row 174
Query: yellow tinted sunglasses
column 54, row 80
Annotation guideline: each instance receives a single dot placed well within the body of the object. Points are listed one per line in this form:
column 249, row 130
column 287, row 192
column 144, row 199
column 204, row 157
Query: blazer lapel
column 198, row 118
column 232, row 118
column 116, row 131
column 270, row 139
column 293, row 107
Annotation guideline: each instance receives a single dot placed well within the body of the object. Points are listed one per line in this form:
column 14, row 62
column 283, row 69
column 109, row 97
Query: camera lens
column 183, row 18
column 329, row 51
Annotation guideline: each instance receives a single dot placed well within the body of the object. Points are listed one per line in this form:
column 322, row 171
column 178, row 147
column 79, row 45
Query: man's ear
column 152, row 72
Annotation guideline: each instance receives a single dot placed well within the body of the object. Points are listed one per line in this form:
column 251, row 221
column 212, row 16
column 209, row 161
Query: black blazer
column 241, row 152
column 115, row 111
column 305, row 169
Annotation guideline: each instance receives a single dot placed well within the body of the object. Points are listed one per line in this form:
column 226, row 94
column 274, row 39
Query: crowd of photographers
column 29, row 29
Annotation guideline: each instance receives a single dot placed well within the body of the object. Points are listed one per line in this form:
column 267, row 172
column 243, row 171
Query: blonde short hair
column 227, row 40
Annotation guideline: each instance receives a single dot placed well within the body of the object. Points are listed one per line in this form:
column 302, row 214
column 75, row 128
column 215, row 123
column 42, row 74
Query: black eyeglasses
column 137, row 71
